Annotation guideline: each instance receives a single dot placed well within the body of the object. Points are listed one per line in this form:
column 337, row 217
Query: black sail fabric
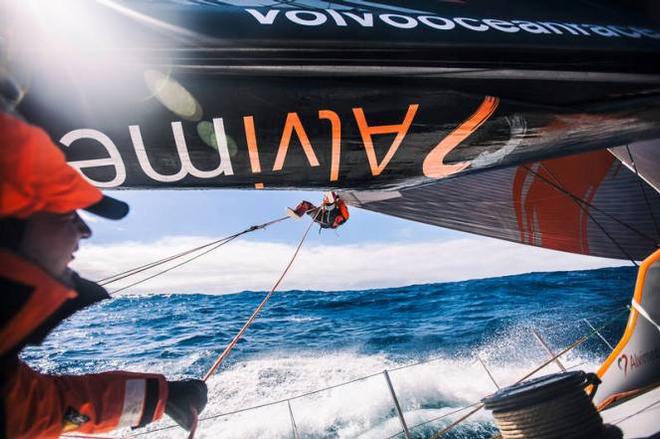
column 339, row 94
column 487, row 116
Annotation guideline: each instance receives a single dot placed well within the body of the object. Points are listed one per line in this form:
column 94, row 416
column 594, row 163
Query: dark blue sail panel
column 588, row 203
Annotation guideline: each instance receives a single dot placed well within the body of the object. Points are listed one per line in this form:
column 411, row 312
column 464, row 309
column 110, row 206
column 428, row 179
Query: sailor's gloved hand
column 187, row 398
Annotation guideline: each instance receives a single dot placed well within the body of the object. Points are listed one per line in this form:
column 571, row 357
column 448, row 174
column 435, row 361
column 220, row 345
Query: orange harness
column 38, row 406
column 31, row 296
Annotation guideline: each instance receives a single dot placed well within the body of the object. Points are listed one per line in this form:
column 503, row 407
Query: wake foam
column 429, row 393
column 362, row 409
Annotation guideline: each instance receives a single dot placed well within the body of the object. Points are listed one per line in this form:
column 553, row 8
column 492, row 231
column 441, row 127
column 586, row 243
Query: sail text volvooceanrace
column 326, row 17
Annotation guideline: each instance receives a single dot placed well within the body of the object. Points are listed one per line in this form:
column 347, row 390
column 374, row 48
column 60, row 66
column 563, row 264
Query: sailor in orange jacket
column 39, row 232
column 332, row 213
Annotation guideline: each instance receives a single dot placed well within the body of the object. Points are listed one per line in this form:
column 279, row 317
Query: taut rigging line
column 254, row 315
column 213, row 244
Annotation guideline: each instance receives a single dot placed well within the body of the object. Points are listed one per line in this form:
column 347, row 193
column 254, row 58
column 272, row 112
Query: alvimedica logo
column 434, row 165
column 628, row 363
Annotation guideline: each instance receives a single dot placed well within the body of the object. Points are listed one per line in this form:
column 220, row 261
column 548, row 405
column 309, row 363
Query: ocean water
column 430, row 338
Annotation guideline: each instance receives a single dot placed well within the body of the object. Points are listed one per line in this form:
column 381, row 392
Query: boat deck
column 638, row 418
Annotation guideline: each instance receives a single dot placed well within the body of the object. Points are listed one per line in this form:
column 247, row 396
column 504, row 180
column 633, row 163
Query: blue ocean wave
column 305, row 340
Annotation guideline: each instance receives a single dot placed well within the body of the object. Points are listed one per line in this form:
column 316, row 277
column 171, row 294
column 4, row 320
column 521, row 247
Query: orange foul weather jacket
column 38, row 406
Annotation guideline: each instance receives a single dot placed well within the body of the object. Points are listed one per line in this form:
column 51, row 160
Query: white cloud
column 245, row 265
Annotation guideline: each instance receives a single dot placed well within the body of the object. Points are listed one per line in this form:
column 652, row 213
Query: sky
column 370, row 251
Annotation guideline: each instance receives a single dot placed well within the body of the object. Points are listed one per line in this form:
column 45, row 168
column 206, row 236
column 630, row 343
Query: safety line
column 255, row 407
column 458, row 410
column 256, row 312
column 254, row 315
column 572, row 346
column 617, row 310
column 618, row 421
column 638, row 307
column 136, row 270
column 458, row 421
column 545, row 327
column 173, row 267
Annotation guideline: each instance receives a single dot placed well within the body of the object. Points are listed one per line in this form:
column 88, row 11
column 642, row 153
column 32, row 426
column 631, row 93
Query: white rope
column 644, row 314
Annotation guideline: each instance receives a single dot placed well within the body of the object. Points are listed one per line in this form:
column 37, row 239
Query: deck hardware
column 488, row 371
column 406, row 433
column 294, row 427
column 598, row 334
column 548, row 350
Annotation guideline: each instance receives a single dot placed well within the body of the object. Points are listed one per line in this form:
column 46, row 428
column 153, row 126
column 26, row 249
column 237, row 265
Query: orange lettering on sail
column 292, row 124
column 367, row 131
column 335, row 125
column 434, row 165
column 253, row 151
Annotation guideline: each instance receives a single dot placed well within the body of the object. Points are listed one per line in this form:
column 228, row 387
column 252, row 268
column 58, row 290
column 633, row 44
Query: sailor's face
column 50, row 240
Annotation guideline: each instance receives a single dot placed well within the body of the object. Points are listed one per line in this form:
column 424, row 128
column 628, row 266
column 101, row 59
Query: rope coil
column 551, row 407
